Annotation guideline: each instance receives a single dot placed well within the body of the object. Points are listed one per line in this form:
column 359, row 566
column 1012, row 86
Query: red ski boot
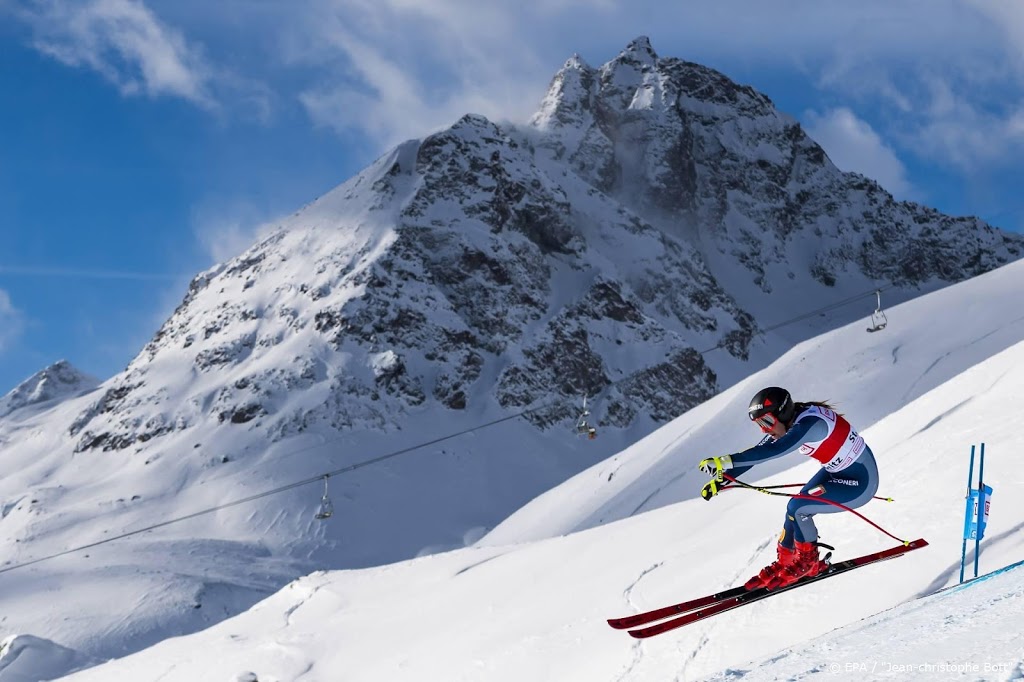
column 768, row 574
column 806, row 564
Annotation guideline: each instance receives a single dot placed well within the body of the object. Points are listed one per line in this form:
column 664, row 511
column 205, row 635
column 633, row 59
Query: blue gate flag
column 974, row 528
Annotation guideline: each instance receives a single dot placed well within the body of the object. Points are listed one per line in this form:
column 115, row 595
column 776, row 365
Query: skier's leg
column 797, row 520
column 785, row 549
column 851, row 487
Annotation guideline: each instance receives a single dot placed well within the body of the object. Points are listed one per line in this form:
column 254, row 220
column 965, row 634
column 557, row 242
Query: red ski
column 705, row 607
column 664, row 612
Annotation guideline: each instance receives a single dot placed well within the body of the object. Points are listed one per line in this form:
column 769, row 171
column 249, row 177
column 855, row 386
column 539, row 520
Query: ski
column 664, row 612
column 712, row 606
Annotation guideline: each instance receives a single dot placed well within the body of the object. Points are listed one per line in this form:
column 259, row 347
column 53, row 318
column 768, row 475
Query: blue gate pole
column 970, row 481
column 981, row 509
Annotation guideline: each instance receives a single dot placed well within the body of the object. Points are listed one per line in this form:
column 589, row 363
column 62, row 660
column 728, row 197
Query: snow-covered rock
column 24, row 658
column 58, row 381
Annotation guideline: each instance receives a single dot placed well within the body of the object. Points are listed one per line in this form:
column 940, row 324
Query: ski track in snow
column 478, row 563
column 638, row 648
column 958, row 406
column 628, row 592
column 638, row 654
column 937, row 361
column 943, row 415
column 657, row 492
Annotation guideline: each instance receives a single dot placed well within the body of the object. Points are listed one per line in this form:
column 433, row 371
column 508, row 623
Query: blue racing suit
column 848, row 476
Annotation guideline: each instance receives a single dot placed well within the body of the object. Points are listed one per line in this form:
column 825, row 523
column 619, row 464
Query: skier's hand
column 715, row 466
column 711, row 488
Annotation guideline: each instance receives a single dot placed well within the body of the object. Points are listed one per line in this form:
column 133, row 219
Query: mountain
column 536, row 610
column 58, row 381
column 653, row 208
column 638, row 243
column 715, row 163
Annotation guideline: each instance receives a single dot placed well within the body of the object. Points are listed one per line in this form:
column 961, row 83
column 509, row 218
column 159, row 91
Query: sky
column 143, row 141
column 529, row 600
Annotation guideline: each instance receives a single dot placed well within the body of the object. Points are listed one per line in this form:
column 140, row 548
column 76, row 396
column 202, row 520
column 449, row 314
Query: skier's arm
column 807, row 429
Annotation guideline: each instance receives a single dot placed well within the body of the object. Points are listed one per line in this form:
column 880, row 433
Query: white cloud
column 393, row 69
column 11, row 321
column 123, row 41
column 966, row 129
column 955, row 94
column 224, row 229
column 1008, row 16
column 853, row 145
column 401, row 69
column 387, row 70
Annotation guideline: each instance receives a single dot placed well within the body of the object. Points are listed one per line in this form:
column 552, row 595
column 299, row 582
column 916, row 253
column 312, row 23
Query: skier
column 848, row 475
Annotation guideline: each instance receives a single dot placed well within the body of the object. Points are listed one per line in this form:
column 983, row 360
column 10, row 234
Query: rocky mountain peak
column 59, row 380
column 569, row 100
column 576, row 61
column 638, row 51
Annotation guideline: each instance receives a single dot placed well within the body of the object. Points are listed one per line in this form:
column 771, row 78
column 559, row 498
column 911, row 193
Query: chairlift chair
column 878, row 319
column 583, row 427
column 326, row 509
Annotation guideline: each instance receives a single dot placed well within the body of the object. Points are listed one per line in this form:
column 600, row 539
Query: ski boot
column 768, row 574
column 806, row 564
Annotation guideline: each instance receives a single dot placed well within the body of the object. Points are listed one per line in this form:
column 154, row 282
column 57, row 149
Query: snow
column 24, row 658
column 535, row 609
column 968, row 632
column 384, row 363
column 44, row 388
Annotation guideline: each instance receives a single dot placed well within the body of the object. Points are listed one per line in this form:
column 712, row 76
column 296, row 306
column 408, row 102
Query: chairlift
column 583, row 427
column 878, row 319
column 326, row 509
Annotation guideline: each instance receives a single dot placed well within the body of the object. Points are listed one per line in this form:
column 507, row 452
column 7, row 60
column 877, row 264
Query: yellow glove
column 715, row 466
column 711, row 488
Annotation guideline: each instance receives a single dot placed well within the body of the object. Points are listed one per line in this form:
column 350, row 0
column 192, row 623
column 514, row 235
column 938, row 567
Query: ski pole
column 798, row 496
column 801, row 485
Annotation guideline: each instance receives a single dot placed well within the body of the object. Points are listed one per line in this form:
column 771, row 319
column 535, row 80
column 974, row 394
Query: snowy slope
column 536, row 610
column 968, row 632
column 24, row 658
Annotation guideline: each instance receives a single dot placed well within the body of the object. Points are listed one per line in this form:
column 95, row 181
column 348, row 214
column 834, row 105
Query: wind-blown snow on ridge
column 536, row 610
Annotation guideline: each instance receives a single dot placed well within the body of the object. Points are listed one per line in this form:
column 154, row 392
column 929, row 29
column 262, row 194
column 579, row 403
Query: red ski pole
column 799, row 496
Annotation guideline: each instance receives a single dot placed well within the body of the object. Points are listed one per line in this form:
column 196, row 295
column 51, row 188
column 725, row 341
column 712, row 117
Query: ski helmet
column 772, row 401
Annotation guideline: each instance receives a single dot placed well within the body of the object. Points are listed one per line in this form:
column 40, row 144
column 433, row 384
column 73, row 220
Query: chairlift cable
column 381, row 458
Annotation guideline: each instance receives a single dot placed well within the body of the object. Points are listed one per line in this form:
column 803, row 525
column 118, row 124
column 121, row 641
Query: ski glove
column 715, row 466
column 711, row 488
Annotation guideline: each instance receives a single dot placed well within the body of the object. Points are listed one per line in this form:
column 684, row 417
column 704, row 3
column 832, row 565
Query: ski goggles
column 766, row 421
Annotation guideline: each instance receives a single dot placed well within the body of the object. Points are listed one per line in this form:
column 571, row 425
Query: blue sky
column 142, row 141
